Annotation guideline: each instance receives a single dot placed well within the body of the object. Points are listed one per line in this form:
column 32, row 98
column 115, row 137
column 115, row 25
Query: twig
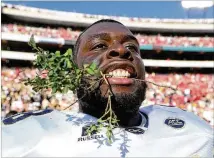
column 107, row 82
column 175, row 89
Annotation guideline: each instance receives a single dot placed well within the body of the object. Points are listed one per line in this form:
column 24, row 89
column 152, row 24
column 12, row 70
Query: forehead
column 107, row 27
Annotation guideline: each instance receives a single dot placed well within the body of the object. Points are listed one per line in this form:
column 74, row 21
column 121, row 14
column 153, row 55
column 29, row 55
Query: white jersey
column 164, row 132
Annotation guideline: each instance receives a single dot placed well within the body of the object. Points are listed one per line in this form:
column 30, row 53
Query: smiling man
column 152, row 131
column 116, row 52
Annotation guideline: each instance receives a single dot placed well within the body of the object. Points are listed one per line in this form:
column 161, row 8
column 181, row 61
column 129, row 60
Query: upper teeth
column 119, row 73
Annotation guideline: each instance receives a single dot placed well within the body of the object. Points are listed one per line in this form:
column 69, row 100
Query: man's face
column 116, row 52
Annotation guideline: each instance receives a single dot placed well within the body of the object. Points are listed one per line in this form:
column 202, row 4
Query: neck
column 129, row 119
column 126, row 118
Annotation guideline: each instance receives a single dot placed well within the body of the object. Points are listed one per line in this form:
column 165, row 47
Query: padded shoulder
column 23, row 131
column 194, row 122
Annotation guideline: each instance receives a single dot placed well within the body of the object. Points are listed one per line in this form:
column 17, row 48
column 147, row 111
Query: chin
column 123, row 89
column 126, row 99
column 119, row 89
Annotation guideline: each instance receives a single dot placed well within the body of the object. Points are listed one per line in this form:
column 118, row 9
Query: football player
column 151, row 131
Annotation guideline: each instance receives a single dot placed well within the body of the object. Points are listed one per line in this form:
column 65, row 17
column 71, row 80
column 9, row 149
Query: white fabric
column 56, row 134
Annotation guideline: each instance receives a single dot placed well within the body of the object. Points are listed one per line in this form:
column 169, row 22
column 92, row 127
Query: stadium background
column 176, row 52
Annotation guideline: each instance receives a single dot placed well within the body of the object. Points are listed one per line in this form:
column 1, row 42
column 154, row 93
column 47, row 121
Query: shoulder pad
column 194, row 122
column 23, row 131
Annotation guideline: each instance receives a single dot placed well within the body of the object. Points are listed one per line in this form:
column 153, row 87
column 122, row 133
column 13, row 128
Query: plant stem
column 156, row 84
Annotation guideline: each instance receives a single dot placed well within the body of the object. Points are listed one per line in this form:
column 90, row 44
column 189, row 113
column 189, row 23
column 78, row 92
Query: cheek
column 91, row 57
column 87, row 58
column 140, row 68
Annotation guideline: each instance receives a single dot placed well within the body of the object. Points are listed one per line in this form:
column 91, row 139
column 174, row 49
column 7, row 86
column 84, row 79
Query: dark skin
column 112, row 46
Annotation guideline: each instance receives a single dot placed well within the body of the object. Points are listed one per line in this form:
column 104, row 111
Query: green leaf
column 108, row 134
column 93, row 128
column 78, row 71
column 57, row 53
column 38, row 59
column 68, row 52
column 68, row 63
column 32, row 42
column 93, row 66
column 100, row 121
column 72, row 87
column 65, row 90
column 54, row 90
column 90, row 71
column 97, row 73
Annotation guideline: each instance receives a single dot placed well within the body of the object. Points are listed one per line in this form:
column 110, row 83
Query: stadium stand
column 69, row 34
column 176, row 52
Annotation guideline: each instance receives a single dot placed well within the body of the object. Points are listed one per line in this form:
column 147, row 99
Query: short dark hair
column 76, row 46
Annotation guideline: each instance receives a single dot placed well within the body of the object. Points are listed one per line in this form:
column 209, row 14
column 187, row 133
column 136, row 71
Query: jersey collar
column 144, row 122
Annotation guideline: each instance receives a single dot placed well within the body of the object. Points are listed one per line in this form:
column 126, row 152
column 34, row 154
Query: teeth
column 119, row 73
column 114, row 73
column 123, row 73
column 127, row 74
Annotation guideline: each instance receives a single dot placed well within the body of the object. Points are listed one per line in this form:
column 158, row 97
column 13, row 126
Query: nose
column 119, row 51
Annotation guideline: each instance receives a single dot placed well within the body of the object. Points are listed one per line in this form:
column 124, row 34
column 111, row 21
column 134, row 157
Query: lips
column 120, row 73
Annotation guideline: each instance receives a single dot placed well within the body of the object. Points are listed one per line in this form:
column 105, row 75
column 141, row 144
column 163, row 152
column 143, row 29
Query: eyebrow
column 107, row 37
column 104, row 36
column 128, row 38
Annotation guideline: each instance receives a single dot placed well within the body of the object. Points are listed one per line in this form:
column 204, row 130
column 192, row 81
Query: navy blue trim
column 16, row 118
column 147, row 119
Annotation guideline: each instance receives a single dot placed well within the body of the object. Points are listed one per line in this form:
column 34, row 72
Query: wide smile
column 120, row 73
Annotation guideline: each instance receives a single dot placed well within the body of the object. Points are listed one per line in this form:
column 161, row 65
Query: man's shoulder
column 27, row 129
column 46, row 119
column 33, row 117
column 177, row 118
column 163, row 109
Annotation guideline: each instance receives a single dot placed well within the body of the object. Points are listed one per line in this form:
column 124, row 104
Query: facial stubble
column 124, row 105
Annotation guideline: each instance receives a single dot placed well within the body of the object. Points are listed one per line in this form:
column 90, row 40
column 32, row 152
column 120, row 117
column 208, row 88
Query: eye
column 132, row 48
column 99, row 46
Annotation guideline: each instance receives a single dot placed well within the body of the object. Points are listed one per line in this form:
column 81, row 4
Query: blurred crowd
column 69, row 34
column 195, row 92
column 18, row 97
column 175, row 41
column 86, row 17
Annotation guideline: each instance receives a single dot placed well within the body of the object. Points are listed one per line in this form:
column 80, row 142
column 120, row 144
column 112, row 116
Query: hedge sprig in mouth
column 120, row 74
column 121, row 71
